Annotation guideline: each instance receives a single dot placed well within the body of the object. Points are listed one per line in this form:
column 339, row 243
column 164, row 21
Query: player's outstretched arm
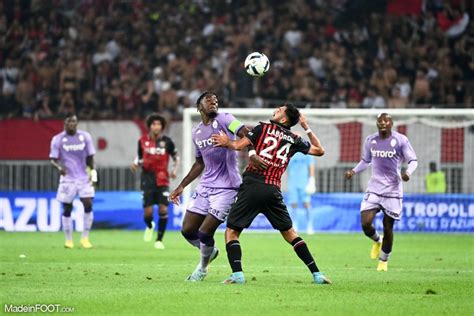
column 316, row 147
column 361, row 166
column 195, row 171
column 221, row 140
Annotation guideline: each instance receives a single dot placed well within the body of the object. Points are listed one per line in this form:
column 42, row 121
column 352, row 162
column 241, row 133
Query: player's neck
column 386, row 134
column 279, row 123
column 206, row 120
column 71, row 133
column 153, row 136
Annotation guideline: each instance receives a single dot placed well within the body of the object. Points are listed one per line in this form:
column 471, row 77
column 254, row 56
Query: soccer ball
column 257, row 64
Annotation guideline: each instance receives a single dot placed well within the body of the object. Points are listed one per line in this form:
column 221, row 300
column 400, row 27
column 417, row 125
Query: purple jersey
column 221, row 169
column 72, row 150
column 386, row 156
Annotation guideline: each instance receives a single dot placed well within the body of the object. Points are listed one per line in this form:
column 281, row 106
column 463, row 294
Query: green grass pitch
column 429, row 274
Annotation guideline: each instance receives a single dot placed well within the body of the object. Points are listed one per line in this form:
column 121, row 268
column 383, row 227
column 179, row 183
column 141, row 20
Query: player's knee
column 87, row 203
column 67, row 209
column 367, row 227
column 231, row 234
column 289, row 235
column 189, row 234
column 163, row 211
column 206, row 239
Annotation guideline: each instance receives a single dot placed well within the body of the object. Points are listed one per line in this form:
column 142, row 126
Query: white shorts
column 390, row 206
column 67, row 191
column 216, row 202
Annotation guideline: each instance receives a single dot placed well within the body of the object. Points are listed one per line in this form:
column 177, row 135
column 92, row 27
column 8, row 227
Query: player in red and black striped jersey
column 260, row 191
column 154, row 152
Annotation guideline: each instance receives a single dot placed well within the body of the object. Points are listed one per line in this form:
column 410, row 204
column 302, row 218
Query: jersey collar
column 279, row 124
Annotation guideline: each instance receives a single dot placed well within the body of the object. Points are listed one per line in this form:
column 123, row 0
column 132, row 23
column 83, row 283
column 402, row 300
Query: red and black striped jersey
column 155, row 155
column 275, row 144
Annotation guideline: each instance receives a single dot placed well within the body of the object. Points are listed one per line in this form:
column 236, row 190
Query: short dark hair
column 205, row 94
column 292, row 113
column 155, row 117
column 69, row 115
column 384, row 114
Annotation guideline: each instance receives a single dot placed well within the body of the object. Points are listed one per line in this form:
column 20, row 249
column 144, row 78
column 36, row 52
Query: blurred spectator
column 25, row 96
column 44, row 107
column 136, row 56
column 396, row 100
column 421, row 89
column 67, row 104
column 373, row 100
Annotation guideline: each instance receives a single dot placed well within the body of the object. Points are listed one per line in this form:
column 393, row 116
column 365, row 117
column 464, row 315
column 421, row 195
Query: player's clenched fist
column 349, row 174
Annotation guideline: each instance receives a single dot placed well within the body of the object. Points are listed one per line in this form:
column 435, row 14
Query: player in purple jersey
column 386, row 151
column 211, row 201
column 72, row 153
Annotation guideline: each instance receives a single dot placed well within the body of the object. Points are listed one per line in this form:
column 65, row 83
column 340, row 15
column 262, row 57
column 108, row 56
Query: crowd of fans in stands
column 105, row 59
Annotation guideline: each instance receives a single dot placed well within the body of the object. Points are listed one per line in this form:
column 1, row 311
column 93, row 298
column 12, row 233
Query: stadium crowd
column 105, row 59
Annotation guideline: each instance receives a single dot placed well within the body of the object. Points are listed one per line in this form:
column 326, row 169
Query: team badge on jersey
column 214, row 124
column 393, row 142
column 81, row 138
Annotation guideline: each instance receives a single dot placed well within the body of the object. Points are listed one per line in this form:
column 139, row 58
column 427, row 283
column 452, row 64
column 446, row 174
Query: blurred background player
column 260, row 190
column 154, row 152
column 435, row 180
column 217, row 189
column 301, row 185
column 72, row 153
column 386, row 150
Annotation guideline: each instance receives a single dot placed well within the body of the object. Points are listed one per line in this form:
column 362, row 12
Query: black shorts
column 158, row 196
column 256, row 197
column 148, row 181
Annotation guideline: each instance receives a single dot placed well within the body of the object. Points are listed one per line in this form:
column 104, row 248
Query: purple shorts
column 390, row 206
column 216, row 202
column 67, row 191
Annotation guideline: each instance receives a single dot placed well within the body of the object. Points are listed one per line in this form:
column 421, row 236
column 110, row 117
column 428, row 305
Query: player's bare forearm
column 90, row 161
column 243, row 132
column 58, row 166
column 222, row 140
column 174, row 171
column 316, row 147
column 195, row 171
